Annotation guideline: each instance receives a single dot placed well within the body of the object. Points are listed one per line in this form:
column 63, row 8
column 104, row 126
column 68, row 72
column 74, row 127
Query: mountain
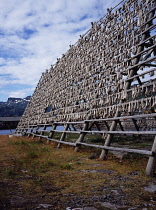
column 13, row 107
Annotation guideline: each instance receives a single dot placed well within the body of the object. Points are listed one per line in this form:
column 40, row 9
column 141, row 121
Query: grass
column 37, row 168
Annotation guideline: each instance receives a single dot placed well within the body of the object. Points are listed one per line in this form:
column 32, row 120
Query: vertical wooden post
column 25, row 131
column 120, row 125
column 31, row 129
column 151, row 165
column 107, row 126
column 37, row 127
column 51, row 134
column 82, row 135
column 44, row 128
column 135, row 124
column 63, row 135
column 109, row 137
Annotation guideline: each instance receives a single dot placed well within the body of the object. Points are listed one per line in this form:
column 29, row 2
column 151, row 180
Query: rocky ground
column 71, row 181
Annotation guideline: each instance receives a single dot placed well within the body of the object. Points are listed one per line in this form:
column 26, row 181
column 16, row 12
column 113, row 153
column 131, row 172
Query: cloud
column 33, row 34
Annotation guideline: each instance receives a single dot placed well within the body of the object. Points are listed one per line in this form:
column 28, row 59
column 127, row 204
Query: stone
column 150, row 188
column 119, row 155
column 108, row 205
column 45, row 206
column 77, row 209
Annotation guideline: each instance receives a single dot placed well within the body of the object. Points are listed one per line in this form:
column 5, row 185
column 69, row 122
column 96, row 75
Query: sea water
column 7, row 132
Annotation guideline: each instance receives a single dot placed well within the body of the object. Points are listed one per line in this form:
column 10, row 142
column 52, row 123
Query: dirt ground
column 35, row 175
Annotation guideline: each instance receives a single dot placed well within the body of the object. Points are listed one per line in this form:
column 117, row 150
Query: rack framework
column 107, row 79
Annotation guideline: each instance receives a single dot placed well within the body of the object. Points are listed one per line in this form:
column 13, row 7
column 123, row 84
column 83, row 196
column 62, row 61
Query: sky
column 34, row 33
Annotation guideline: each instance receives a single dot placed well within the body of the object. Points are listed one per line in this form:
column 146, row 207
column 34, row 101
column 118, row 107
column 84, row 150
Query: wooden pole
column 135, row 124
column 31, row 129
column 109, row 137
column 82, row 135
column 35, row 131
column 107, row 126
column 121, row 126
column 51, row 134
column 42, row 132
column 63, row 135
column 151, row 165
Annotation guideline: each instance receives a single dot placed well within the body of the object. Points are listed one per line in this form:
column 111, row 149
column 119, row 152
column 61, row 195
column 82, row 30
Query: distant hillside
column 13, row 107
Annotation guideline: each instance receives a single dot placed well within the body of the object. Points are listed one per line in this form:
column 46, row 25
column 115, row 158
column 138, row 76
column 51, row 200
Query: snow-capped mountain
column 13, row 106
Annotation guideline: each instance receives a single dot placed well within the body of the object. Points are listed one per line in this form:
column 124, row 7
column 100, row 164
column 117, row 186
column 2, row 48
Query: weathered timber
column 125, row 117
column 151, row 165
column 82, row 134
column 109, row 70
column 143, row 152
column 110, row 136
column 63, row 135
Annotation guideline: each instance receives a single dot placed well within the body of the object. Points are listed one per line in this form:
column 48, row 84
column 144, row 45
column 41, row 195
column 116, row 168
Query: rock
column 134, row 173
column 24, row 171
column 93, row 156
column 115, row 192
column 150, row 188
column 77, row 209
column 45, row 206
column 18, row 200
column 95, row 164
column 105, row 171
column 108, row 205
column 119, row 155
column 43, row 195
column 84, row 208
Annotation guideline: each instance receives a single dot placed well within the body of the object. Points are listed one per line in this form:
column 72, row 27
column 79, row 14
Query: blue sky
column 33, row 34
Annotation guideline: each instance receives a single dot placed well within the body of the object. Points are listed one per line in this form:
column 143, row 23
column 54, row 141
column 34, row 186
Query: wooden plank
column 122, row 132
column 62, row 123
column 71, row 131
column 104, row 132
column 42, row 136
column 144, row 152
column 44, row 124
column 124, row 117
column 76, row 132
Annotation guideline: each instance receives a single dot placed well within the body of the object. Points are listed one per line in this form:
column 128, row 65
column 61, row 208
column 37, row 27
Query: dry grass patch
column 40, row 172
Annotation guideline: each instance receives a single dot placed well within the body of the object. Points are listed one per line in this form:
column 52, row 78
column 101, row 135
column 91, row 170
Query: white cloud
column 20, row 93
column 34, row 33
